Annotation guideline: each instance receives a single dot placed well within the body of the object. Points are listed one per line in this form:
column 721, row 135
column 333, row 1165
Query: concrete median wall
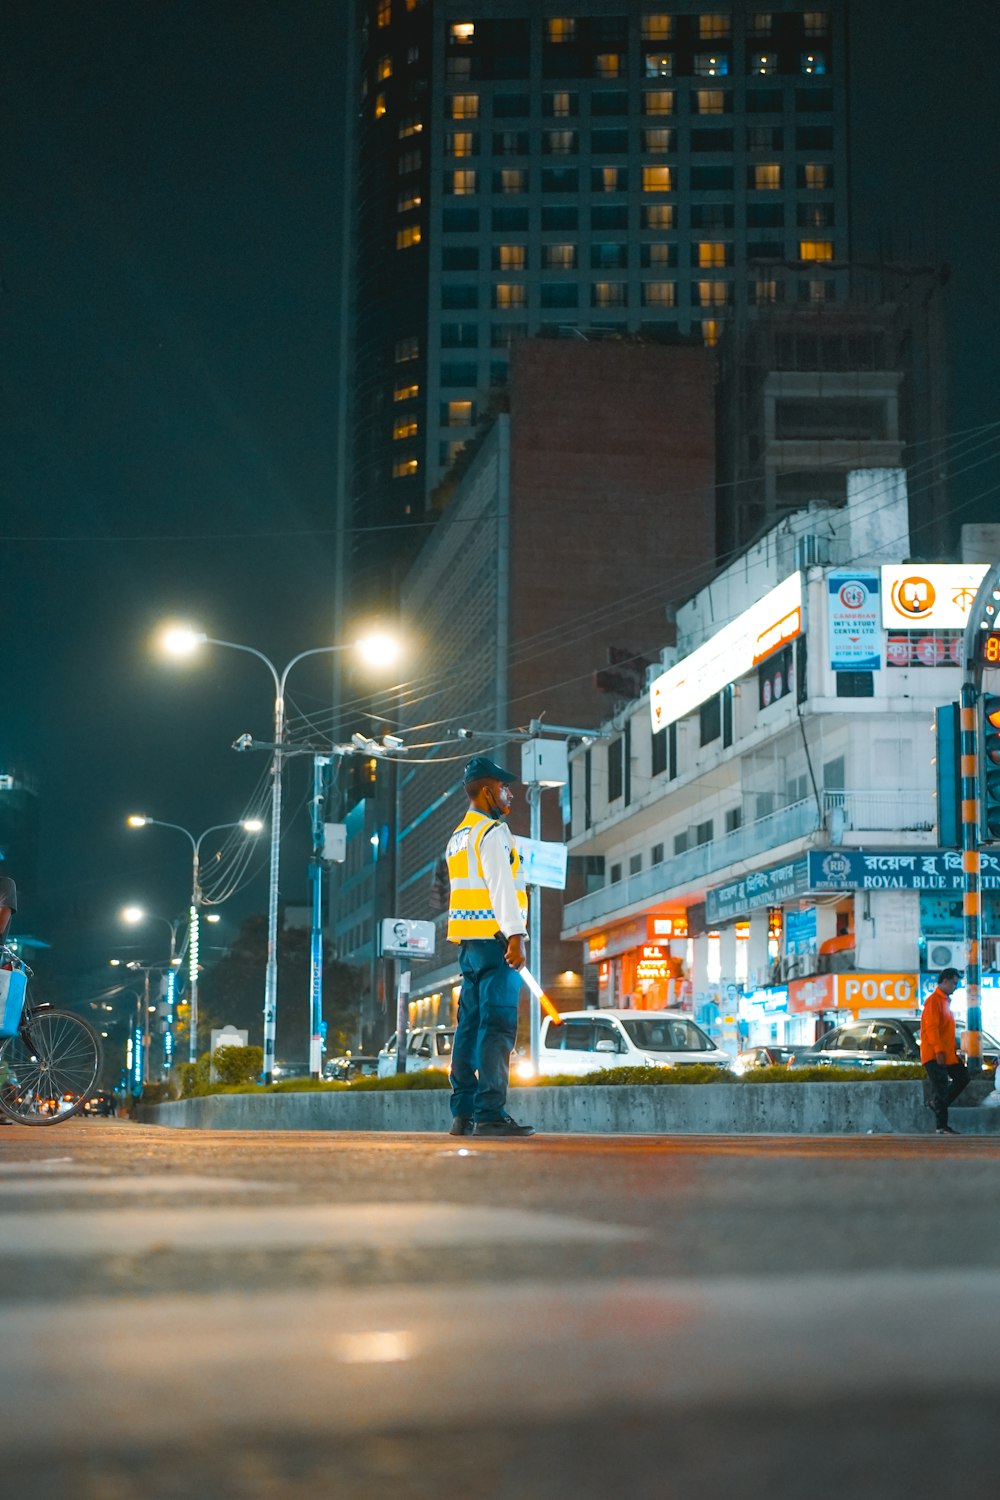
column 695, row 1109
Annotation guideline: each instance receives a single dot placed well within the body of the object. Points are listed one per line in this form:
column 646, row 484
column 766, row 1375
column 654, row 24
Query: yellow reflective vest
column 471, row 913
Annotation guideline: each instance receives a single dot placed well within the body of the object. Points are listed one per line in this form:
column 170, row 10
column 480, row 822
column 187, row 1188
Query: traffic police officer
column 486, row 918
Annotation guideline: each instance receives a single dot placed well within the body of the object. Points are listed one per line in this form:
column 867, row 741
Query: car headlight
column 524, row 1068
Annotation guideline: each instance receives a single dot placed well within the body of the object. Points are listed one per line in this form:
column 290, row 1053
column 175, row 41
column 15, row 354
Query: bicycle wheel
column 49, row 1070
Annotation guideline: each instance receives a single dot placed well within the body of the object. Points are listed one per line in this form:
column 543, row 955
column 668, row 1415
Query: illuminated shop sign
column 854, row 624
column 760, row 888
column 649, row 928
column 854, row 992
column 932, row 596
column 655, row 963
column 926, row 870
column 732, row 652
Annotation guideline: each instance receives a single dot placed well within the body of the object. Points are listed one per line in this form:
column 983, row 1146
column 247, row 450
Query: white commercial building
column 765, row 817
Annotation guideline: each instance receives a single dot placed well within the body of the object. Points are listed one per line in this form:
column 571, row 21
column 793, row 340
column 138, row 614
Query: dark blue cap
column 481, row 768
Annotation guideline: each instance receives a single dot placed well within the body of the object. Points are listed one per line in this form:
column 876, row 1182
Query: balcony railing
column 886, row 812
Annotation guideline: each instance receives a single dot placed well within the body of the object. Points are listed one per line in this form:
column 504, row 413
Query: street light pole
column 377, row 648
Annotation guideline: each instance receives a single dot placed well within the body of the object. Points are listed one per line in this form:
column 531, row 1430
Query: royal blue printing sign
column 892, row 870
column 855, row 623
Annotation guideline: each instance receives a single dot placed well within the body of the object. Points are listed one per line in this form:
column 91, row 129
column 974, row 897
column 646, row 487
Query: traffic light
column 989, row 760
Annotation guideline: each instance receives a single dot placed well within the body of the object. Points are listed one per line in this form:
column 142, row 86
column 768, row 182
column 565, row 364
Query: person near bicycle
column 8, row 903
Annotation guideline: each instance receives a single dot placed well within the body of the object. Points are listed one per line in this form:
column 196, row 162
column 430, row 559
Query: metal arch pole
column 970, row 765
column 271, row 971
column 194, row 942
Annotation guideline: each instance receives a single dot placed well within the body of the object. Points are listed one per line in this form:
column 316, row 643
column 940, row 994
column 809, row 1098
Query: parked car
column 99, row 1105
column 345, row 1069
column 426, row 1047
column 591, row 1039
column 771, row 1056
column 877, row 1042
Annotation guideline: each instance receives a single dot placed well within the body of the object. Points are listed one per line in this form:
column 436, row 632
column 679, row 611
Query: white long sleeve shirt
column 494, row 852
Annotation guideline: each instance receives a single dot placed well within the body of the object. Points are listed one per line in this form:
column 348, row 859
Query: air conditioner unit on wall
column 945, row 953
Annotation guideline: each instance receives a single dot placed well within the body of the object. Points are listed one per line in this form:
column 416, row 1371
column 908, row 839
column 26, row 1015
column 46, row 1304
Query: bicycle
column 50, row 1065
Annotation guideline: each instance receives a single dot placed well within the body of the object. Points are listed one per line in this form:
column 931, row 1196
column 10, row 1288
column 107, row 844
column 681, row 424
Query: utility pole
column 983, row 624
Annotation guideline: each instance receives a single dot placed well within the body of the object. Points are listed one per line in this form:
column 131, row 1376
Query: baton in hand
column 541, row 996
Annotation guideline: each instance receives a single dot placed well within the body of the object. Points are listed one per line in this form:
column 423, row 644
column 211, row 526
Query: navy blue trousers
column 487, row 1028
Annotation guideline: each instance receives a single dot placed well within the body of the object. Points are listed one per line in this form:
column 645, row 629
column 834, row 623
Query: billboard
column 929, row 596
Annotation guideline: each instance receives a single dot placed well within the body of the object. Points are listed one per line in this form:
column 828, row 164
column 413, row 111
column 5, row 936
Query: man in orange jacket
column 946, row 1073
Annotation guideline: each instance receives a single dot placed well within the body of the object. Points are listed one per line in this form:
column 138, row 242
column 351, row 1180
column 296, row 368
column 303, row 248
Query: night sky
column 170, row 376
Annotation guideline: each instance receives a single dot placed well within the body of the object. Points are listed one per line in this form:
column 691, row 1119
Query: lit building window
column 714, row 28
column 660, row 102
column 766, row 290
column 710, row 101
column 710, row 330
column 657, row 142
column 383, row 69
column 407, row 349
column 560, row 257
column 463, row 182
column 816, row 174
column 450, row 451
column 816, row 22
column 658, row 255
column 406, row 393
column 713, row 293
column 657, row 28
column 408, row 236
column 659, row 293
column 711, row 253
column 383, row 13
column 379, row 106
column 813, row 62
column 461, row 143
column 411, row 126
column 511, row 257
column 761, row 23
column 659, row 64
column 513, row 180
column 711, row 64
column 405, row 468
column 609, row 179
column 819, row 291
column 509, row 294
column 561, row 105
column 764, row 62
column 465, row 106
column 459, row 413
column 408, row 200
column 463, row 32
column 767, row 176
column 560, row 142
column 657, row 179
column 609, row 294
column 815, row 250
column 658, row 216
column 561, row 29
column 404, row 427
column 608, row 64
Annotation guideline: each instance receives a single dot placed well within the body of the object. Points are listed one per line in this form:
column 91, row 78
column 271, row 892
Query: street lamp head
column 378, row 649
column 136, row 820
column 181, row 640
column 213, row 916
column 252, row 825
column 133, row 915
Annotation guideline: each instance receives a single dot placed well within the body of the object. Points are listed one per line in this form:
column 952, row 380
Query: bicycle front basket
column 13, row 983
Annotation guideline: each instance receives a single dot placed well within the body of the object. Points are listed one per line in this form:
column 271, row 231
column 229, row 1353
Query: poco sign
column 878, row 989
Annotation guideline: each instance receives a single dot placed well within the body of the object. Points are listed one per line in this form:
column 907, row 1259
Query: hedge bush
column 238, row 1064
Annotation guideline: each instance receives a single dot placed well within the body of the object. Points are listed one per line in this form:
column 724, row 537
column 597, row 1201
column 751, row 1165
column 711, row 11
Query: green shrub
column 238, row 1064
column 194, row 1077
column 427, row 1078
column 161, row 1093
column 702, row 1073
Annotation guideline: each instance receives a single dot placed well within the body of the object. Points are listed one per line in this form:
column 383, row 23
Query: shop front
column 642, row 964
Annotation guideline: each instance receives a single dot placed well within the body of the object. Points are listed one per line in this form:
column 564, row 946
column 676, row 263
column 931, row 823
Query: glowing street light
column 376, row 649
column 251, row 826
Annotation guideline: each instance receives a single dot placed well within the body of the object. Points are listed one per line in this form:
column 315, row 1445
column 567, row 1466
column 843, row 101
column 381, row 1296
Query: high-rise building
column 525, row 168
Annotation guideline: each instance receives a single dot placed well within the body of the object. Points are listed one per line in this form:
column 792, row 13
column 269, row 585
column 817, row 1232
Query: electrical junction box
column 335, row 842
column 545, row 762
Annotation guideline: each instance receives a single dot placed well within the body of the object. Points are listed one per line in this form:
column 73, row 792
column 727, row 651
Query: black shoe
column 503, row 1127
column 945, row 1130
column 461, row 1125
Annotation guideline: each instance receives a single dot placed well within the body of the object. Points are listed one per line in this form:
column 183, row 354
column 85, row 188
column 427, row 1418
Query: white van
column 592, row 1039
column 426, row 1047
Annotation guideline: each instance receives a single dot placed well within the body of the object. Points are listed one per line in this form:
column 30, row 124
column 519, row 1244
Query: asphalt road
column 210, row 1314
